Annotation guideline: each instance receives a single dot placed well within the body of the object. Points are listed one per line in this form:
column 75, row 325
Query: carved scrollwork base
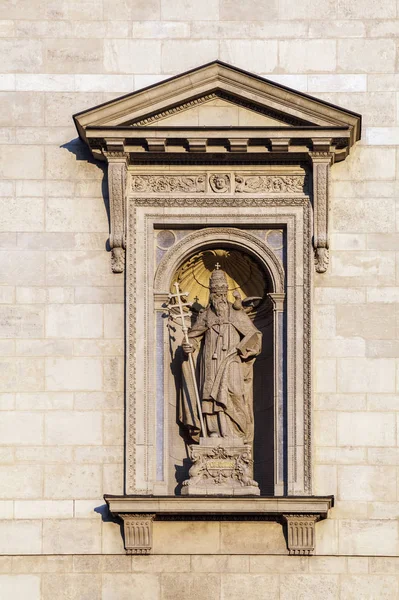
column 137, row 533
column 301, row 533
column 222, row 469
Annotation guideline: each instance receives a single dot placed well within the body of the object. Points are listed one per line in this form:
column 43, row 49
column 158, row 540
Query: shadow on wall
column 82, row 153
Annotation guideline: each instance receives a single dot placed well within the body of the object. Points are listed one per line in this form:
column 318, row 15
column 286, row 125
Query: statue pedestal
column 221, row 467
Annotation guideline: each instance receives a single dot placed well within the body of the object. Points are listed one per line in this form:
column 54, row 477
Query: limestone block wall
column 61, row 311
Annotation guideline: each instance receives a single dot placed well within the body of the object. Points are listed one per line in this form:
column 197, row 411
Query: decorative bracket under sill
column 299, row 513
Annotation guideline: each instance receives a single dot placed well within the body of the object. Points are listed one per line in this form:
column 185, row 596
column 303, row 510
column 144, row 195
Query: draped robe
column 225, row 350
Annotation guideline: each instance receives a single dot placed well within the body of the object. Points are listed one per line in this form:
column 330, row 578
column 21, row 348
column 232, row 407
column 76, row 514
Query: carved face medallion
column 220, row 183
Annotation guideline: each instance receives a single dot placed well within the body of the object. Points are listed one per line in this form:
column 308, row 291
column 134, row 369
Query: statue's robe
column 225, row 350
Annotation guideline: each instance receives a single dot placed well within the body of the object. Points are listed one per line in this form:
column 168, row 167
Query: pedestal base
column 221, row 467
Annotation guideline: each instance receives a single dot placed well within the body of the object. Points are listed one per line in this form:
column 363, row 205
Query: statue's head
column 218, row 288
column 218, row 282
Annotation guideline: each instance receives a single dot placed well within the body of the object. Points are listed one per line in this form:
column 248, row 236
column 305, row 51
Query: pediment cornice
column 304, row 123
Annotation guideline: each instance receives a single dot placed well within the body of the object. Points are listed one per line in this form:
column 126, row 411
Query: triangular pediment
column 217, row 95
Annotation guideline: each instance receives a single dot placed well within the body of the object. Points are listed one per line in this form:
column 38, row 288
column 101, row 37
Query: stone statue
column 225, row 342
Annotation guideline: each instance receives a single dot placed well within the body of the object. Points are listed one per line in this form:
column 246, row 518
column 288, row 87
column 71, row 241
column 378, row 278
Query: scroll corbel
column 321, row 162
column 117, row 172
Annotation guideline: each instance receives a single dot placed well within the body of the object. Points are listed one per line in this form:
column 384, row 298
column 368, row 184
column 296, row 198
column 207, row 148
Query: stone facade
column 62, row 313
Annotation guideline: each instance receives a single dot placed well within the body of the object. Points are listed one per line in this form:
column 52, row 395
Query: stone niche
column 218, row 170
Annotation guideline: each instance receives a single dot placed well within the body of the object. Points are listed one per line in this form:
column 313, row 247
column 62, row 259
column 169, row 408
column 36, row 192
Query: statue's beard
column 219, row 303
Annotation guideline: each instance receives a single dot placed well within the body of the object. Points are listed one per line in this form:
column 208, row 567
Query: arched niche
column 221, row 242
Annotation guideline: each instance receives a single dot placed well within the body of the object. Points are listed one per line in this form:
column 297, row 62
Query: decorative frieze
column 270, row 184
column 218, row 183
column 137, row 529
column 301, row 533
column 167, row 183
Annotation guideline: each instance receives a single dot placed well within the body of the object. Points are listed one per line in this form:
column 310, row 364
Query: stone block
column 44, row 347
column 366, row 163
column 72, row 482
column 73, row 428
column 348, row 241
column 384, row 565
column 181, row 55
column 98, row 348
column 318, row 55
column 69, row 374
column 219, row 564
column 337, row 83
column 132, row 56
column 75, row 214
column 31, row 295
column 6, row 510
column 335, row 295
column 340, row 347
column 307, row 10
column 21, row 428
column 20, row 586
column 59, row 295
column 114, row 320
column 383, row 510
column 20, row 537
column 12, row 157
column 189, row 537
column 79, row 268
column 368, row 216
column 43, row 509
column 366, row 56
column 369, row 321
column 327, row 564
column 41, row 564
column 74, row 321
column 87, row 509
column 383, row 348
column 113, row 478
column 364, row 268
column 131, row 586
column 60, row 106
column 161, row 30
column 21, row 55
column 74, row 56
column 258, row 587
column 366, row 375
column 337, row 29
column 72, row 586
column 113, row 429
column 366, row 429
column 378, row 402
column 21, row 374
column 189, row 586
column 366, row 483
column 340, row 456
column 26, row 109
column 317, row 587
column 365, row 9
column 72, row 536
column 376, row 108
column 189, row 10
column 21, row 321
column 46, row 241
column 325, row 427
column 252, row 538
column 373, row 537
column 369, row 587
column 98, row 401
column 326, row 375
column 114, row 371
column 324, row 322
column 42, row 455
column 70, row 161
column 245, row 11
column 325, row 480
column 382, row 136
column 99, row 454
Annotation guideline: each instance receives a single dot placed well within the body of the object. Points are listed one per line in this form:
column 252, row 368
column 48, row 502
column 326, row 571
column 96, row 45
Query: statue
column 225, row 343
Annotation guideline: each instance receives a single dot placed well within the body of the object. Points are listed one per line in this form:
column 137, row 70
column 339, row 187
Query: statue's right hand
column 188, row 348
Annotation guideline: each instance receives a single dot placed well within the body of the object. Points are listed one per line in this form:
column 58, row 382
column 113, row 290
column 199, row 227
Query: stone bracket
column 321, row 162
column 299, row 513
column 301, row 533
column 137, row 529
column 117, row 172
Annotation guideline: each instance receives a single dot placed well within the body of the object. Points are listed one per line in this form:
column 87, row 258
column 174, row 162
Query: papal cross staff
column 181, row 304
